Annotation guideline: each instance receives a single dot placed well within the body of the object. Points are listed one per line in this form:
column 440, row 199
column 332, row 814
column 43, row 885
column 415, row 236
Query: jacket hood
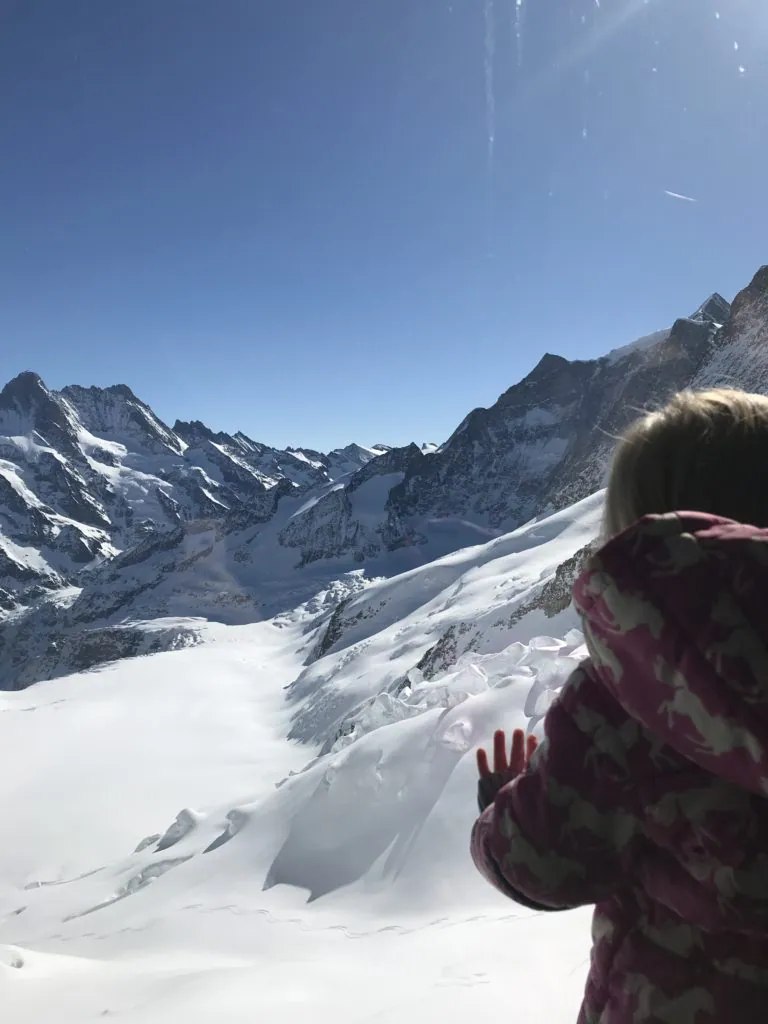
column 675, row 613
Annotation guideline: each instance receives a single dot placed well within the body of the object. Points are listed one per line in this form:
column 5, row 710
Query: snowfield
column 171, row 853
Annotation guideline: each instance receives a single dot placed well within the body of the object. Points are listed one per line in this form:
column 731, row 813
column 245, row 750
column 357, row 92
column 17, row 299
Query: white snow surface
column 646, row 342
column 170, row 854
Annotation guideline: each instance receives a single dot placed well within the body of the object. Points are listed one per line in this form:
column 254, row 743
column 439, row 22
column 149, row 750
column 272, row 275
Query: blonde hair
column 705, row 451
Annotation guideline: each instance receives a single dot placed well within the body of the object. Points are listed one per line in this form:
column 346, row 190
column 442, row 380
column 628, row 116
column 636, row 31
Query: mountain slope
column 739, row 354
column 419, row 624
column 212, row 856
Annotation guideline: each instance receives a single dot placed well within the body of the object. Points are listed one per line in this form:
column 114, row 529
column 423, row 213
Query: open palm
column 505, row 768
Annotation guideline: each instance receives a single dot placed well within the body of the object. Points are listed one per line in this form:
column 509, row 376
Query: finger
column 531, row 747
column 517, row 759
column 482, row 764
column 500, row 751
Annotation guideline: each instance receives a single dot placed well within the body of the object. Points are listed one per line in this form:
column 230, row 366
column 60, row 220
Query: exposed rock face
column 739, row 352
column 28, row 408
column 556, row 594
column 47, row 656
column 361, row 518
column 553, row 597
column 115, row 414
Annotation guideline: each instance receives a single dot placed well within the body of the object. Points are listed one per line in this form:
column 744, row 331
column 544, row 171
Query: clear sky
column 284, row 217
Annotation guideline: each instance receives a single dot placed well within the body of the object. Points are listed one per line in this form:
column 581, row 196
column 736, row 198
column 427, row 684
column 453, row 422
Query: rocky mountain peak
column 120, row 391
column 28, row 407
column 196, row 434
column 194, row 431
column 354, row 453
column 309, row 453
column 248, row 444
column 395, row 460
column 116, row 414
column 546, row 366
column 715, row 310
column 25, row 383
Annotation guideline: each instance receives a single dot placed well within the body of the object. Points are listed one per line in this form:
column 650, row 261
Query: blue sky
column 282, row 217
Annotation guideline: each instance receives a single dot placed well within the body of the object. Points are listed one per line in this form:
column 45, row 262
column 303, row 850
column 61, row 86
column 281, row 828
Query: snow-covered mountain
column 108, row 517
column 177, row 855
column 88, row 472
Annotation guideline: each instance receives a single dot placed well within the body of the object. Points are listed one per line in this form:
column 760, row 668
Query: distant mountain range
column 116, row 529
column 89, row 472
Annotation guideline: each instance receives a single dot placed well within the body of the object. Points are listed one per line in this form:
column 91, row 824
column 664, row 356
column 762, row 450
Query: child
column 647, row 796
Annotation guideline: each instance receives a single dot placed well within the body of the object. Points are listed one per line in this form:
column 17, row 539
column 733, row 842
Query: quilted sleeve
column 567, row 832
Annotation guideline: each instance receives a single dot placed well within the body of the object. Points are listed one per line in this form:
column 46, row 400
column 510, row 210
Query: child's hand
column 504, row 771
